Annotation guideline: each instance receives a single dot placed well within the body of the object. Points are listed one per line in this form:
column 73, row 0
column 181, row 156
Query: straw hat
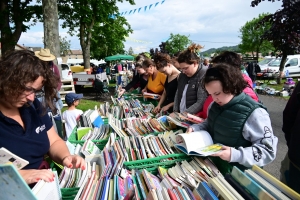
column 45, row 55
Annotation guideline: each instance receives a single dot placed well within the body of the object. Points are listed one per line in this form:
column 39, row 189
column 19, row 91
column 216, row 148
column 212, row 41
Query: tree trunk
column 283, row 59
column 9, row 38
column 85, row 43
column 51, row 33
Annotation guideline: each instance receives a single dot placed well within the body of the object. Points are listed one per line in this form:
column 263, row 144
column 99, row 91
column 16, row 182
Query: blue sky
column 211, row 23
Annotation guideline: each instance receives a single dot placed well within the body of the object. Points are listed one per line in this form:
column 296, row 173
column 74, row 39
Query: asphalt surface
column 275, row 107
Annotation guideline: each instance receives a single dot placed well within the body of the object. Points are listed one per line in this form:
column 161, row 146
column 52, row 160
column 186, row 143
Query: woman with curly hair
column 190, row 96
column 235, row 120
column 163, row 64
column 26, row 129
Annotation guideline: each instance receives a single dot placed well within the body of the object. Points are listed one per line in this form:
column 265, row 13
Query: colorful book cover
column 204, row 190
column 250, row 184
column 121, row 188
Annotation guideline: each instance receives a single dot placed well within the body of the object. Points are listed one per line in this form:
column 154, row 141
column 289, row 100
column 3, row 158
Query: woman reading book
column 235, row 120
column 156, row 79
column 163, row 64
column 26, row 129
column 190, row 95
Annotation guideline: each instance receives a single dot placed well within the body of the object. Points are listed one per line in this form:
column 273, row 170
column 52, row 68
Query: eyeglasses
column 37, row 93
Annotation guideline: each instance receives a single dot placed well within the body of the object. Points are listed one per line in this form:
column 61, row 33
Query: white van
column 292, row 66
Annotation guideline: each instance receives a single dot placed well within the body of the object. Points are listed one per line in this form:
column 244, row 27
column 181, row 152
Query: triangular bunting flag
column 129, row 12
column 121, row 13
column 145, row 8
column 156, row 4
column 134, row 11
column 139, row 9
column 162, row 1
column 125, row 13
column 150, row 6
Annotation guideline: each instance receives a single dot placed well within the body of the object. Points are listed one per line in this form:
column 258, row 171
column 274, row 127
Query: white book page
column 194, row 140
column 7, row 157
column 47, row 190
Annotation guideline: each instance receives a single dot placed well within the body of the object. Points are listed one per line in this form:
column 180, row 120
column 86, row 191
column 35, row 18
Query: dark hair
column 228, row 57
column 140, row 58
column 21, row 67
column 189, row 55
column 147, row 62
column 161, row 60
column 231, row 78
column 138, row 65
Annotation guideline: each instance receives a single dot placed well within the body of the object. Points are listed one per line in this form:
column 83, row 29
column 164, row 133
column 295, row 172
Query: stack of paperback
column 90, row 118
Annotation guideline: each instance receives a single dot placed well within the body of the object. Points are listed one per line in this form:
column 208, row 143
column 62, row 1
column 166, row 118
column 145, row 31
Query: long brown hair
column 161, row 60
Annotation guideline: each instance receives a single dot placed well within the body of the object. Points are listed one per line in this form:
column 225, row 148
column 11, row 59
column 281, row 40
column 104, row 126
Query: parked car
column 66, row 73
column 263, row 64
column 291, row 66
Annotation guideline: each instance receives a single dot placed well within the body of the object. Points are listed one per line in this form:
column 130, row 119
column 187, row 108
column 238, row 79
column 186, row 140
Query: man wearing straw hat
column 45, row 55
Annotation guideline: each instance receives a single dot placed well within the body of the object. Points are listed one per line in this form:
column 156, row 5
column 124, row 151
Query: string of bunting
column 139, row 9
column 148, row 7
column 138, row 41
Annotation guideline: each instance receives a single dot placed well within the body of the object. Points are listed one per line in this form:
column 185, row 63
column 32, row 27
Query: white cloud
column 212, row 23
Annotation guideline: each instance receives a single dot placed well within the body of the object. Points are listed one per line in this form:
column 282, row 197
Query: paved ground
column 275, row 107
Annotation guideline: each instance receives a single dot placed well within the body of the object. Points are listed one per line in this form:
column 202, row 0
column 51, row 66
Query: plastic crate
column 157, row 161
column 74, row 140
column 69, row 193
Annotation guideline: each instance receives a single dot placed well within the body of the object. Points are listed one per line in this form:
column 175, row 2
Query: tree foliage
column 130, row 51
column 285, row 30
column 64, row 45
column 251, row 35
column 108, row 37
column 14, row 16
column 88, row 16
column 177, row 43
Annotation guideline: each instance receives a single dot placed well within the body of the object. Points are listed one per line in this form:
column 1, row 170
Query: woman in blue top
column 25, row 127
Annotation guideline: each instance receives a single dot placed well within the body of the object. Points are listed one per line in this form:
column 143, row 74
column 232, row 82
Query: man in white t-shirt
column 72, row 114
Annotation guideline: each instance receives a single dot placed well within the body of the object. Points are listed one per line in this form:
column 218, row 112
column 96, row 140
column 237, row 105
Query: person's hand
column 165, row 108
column 225, row 154
column 156, row 109
column 34, row 175
column 189, row 130
column 74, row 161
column 121, row 92
column 144, row 90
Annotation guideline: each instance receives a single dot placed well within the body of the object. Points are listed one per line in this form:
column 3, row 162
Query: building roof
column 75, row 52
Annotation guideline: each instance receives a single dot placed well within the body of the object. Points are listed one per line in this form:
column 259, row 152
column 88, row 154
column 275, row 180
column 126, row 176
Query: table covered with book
column 131, row 153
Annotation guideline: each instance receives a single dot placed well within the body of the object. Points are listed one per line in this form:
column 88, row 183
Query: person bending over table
column 190, row 96
column 156, row 79
column 235, row 120
column 163, row 64
column 25, row 127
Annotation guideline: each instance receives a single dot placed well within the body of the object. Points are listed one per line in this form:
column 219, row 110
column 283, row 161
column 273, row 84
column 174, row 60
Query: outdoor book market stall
column 133, row 154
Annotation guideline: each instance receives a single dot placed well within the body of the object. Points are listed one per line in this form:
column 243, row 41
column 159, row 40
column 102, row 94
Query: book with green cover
column 12, row 185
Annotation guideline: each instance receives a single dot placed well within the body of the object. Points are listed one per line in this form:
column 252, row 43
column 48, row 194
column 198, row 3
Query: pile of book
column 90, row 118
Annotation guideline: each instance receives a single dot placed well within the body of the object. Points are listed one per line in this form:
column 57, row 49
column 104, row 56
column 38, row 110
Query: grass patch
column 85, row 105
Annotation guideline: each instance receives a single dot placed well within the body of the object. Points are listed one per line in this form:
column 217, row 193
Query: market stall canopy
column 119, row 57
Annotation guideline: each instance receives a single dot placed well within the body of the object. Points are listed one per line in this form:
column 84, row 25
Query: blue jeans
column 294, row 178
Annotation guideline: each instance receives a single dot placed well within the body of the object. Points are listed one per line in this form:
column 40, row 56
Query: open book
column 150, row 95
column 197, row 143
column 7, row 157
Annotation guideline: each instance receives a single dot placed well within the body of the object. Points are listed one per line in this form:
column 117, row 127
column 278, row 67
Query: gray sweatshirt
column 259, row 132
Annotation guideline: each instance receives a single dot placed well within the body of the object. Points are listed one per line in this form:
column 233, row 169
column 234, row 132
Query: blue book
column 12, row 185
column 205, row 191
column 98, row 122
column 105, row 188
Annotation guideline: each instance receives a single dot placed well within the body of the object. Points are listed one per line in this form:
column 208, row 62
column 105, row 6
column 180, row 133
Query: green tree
column 251, row 35
column 86, row 15
column 130, row 51
column 108, row 38
column 284, row 32
column 177, row 42
column 15, row 16
column 65, row 45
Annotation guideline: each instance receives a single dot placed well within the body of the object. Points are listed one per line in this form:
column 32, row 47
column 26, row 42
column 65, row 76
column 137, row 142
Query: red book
column 172, row 195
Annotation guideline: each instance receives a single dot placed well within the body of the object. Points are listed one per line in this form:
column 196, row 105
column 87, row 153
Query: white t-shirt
column 71, row 116
column 183, row 99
